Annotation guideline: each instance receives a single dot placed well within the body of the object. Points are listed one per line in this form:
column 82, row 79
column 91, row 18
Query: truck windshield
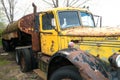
column 69, row 19
column 87, row 19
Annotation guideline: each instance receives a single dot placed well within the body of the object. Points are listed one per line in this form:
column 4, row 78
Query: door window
column 47, row 19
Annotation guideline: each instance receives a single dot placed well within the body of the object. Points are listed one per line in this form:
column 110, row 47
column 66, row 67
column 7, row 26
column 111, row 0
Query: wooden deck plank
column 41, row 74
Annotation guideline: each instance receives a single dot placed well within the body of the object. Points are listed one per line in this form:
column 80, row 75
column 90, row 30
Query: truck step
column 41, row 74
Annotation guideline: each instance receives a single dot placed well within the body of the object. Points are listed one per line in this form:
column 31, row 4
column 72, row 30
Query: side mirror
column 53, row 22
column 115, row 60
column 98, row 20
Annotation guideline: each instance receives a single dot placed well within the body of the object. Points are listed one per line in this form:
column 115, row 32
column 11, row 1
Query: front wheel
column 66, row 73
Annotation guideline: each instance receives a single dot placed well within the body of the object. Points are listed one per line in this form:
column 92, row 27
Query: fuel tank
column 25, row 25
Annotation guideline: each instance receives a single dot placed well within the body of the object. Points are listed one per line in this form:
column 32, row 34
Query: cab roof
column 67, row 8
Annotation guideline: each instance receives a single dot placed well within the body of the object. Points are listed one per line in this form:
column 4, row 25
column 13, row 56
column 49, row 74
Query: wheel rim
column 17, row 60
column 66, row 79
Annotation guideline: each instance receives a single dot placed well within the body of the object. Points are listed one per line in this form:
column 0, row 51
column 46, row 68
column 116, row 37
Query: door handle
column 46, row 32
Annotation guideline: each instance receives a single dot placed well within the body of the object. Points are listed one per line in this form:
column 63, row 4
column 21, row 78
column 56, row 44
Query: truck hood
column 89, row 32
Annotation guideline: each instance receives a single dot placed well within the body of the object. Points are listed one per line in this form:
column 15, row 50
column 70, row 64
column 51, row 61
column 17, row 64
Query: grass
column 13, row 78
column 3, row 61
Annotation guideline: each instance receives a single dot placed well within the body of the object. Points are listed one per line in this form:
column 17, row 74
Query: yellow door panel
column 49, row 43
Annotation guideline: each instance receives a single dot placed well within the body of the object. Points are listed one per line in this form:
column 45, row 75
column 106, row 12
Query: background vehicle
column 64, row 43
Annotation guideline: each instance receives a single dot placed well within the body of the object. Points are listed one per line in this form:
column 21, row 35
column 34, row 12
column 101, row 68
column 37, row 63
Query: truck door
column 48, row 34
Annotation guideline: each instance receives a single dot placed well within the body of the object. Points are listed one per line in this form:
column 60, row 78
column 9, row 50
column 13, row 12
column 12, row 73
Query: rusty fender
column 90, row 67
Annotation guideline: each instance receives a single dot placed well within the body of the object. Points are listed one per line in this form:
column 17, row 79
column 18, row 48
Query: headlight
column 118, row 61
column 71, row 45
column 115, row 60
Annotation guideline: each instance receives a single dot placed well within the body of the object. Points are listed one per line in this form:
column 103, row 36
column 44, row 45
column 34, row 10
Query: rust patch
column 88, row 66
column 92, row 32
column 52, row 46
column 27, row 23
column 35, row 41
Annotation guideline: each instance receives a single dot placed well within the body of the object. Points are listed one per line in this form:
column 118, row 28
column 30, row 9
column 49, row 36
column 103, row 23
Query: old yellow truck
column 64, row 44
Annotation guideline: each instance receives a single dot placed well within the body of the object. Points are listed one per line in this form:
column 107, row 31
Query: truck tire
column 25, row 60
column 34, row 59
column 67, row 72
column 6, row 45
column 17, row 57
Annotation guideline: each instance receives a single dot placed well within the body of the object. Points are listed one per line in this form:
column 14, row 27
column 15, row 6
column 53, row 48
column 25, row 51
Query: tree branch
column 5, row 9
column 67, row 4
column 10, row 10
column 83, row 3
column 47, row 2
column 74, row 2
column 54, row 3
column 57, row 3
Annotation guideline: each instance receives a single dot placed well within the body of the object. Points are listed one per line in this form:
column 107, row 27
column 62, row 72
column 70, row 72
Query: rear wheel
column 6, row 45
column 25, row 60
column 66, row 73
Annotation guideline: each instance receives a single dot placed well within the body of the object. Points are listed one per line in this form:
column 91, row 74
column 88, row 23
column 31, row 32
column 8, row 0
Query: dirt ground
column 9, row 70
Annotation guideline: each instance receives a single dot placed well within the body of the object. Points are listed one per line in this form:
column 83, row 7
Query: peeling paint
column 89, row 67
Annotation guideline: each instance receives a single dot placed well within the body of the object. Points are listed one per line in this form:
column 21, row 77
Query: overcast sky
column 108, row 9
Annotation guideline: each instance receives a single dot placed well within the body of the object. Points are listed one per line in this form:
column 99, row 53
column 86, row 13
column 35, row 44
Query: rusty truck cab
column 66, row 25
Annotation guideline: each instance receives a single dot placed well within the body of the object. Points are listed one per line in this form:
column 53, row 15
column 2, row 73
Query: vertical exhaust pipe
column 35, row 33
column 34, row 8
column 36, row 21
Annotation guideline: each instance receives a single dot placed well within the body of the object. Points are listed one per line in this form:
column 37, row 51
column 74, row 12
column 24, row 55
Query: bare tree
column 9, row 7
column 67, row 3
column 54, row 3
column 2, row 23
